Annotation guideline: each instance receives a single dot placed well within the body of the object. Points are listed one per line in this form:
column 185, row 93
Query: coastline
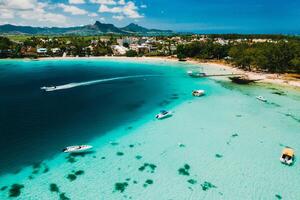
column 269, row 78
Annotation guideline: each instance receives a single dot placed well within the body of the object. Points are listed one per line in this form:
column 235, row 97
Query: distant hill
column 134, row 28
column 94, row 29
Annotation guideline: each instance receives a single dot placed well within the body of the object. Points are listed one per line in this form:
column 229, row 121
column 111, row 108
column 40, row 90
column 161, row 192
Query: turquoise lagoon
column 224, row 145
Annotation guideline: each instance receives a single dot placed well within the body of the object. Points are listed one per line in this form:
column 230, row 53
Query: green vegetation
column 131, row 53
column 271, row 56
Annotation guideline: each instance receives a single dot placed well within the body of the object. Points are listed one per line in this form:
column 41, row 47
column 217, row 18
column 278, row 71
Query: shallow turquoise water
column 228, row 139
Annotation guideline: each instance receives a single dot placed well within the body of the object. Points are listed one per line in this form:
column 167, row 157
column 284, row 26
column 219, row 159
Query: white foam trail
column 72, row 85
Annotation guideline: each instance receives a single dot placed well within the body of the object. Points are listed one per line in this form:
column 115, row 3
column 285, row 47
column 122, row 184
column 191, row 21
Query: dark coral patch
column 15, row 190
column 63, row 196
column 54, row 188
column 234, row 135
column 71, row 177
column 149, row 181
column 121, row 186
column 278, row 196
column 192, row 181
column 149, row 166
column 79, row 172
column 207, row 185
column 184, row 170
column 131, row 145
column 280, row 93
column 46, row 168
column 119, row 153
column 3, row 188
column 114, row 143
column 218, row 155
column 138, row 157
column 81, row 154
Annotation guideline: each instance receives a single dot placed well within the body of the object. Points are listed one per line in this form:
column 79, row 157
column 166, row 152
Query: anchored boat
column 287, row 156
column 261, row 98
column 77, row 148
column 163, row 114
column 196, row 74
column 198, row 93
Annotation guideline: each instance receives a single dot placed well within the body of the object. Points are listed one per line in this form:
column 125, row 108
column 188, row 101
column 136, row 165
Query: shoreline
column 269, row 78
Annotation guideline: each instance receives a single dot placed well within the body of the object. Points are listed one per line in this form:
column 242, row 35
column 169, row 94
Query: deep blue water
column 35, row 124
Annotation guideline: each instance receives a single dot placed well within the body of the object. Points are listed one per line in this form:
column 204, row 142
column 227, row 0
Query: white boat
column 287, row 156
column 48, row 89
column 196, row 74
column 163, row 114
column 261, row 98
column 198, row 93
column 77, row 148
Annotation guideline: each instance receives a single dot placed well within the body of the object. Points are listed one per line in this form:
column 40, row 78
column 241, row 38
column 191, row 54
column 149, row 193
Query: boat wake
column 72, row 85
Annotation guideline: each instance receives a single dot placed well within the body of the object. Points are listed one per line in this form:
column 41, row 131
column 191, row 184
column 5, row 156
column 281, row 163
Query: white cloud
column 93, row 15
column 121, row 2
column 19, row 4
column 129, row 10
column 72, row 9
column 144, row 6
column 118, row 17
column 29, row 12
column 6, row 13
column 104, row 2
column 76, row 1
column 104, row 8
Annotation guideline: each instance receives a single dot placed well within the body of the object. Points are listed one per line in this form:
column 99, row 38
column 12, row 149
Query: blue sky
column 203, row 16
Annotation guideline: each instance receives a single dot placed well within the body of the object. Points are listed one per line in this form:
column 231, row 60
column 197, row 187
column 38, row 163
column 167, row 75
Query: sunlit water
column 224, row 145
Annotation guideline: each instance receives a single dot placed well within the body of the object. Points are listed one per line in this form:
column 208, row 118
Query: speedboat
column 163, row 114
column 48, row 89
column 77, row 148
column 261, row 98
column 198, row 93
column 287, row 156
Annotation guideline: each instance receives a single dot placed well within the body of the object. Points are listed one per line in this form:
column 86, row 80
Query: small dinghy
column 163, row 114
column 198, row 93
column 261, row 98
column 287, row 156
column 77, row 148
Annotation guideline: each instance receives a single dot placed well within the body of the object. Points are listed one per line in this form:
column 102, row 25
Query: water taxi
column 287, row 156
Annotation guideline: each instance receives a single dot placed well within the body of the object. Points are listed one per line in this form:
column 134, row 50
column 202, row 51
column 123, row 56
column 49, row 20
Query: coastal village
column 113, row 46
